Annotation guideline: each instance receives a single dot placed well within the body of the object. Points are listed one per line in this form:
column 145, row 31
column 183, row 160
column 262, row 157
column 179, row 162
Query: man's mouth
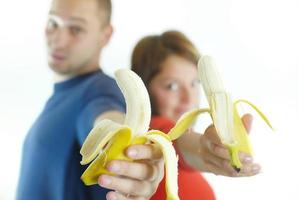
column 57, row 58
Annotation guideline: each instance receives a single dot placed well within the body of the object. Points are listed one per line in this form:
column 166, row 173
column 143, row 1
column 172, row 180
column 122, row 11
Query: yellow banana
column 223, row 111
column 108, row 140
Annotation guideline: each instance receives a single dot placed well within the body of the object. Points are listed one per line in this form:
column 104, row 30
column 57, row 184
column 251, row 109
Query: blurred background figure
column 167, row 64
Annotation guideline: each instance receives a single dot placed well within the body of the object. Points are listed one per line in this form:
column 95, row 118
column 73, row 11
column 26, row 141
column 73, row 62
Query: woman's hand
column 136, row 180
column 206, row 153
column 215, row 156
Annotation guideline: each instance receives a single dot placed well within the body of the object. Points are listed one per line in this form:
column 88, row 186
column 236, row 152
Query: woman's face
column 175, row 89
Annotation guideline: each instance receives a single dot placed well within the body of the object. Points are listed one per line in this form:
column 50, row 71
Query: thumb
column 247, row 121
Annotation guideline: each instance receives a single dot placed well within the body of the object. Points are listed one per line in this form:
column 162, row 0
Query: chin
column 174, row 118
column 62, row 70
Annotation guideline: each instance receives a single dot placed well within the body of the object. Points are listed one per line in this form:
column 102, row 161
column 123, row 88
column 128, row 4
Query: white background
column 255, row 44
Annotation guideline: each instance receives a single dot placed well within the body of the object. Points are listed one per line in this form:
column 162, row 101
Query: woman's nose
column 189, row 96
column 186, row 95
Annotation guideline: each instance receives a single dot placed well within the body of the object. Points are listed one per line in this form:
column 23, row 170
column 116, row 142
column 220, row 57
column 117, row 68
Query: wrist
column 189, row 149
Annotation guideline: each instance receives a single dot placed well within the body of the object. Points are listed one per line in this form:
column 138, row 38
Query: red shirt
column 192, row 185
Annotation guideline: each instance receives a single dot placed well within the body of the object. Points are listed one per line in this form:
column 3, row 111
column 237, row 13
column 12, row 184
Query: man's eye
column 172, row 86
column 75, row 30
column 52, row 24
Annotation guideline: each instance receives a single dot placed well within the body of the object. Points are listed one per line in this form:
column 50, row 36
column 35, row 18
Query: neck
column 63, row 77
column 92, row 66
column 57, row 78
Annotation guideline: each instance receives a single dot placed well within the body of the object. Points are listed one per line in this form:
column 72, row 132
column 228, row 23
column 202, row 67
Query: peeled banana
column 108, row 140
column 223, row 111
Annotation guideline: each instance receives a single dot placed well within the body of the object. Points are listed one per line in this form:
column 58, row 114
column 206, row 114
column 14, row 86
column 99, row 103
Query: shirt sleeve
column 92, row 110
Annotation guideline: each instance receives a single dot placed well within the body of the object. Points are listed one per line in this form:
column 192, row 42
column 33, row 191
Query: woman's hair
column 151, row 51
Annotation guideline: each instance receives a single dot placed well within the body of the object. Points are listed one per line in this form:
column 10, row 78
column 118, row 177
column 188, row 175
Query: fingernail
column 132, row 153
column 113, row 168
column 248, row 159
column 112, row 196
column 255, row 169
column 105, row 180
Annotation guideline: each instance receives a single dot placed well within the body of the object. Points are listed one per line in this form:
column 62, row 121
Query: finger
column 247, row 121
column 222, row 153
column 136, row 170
column 224, row 171
column 223, row 166
column 219, row 151
column 212, row 168
column 212, row 142
column 245, row 158
column 212, row 148
column 116, row 195
column 250, row 170
column 228, row 170
column 146, row 151
column 211, row 134
column 126, row 186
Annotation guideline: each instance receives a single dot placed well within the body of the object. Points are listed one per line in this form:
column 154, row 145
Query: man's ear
column 107, row 32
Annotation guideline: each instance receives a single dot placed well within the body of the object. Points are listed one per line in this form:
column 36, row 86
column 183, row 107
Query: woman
column 167, row 65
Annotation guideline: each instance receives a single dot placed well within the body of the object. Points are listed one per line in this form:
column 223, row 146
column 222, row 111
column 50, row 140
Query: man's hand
column 136, row 180
column 215, row 157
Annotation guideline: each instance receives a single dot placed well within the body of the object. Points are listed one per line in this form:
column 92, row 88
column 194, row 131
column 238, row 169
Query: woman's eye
column 195, row 83
column 172, row 86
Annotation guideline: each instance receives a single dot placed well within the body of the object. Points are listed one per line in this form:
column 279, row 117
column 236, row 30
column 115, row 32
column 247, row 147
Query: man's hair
column 105, row 7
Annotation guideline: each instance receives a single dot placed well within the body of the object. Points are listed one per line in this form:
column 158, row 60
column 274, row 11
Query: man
column 76, row 33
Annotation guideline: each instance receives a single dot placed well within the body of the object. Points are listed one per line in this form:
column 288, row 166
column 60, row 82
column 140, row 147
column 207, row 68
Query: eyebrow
column 73, row 18
column 79, row 19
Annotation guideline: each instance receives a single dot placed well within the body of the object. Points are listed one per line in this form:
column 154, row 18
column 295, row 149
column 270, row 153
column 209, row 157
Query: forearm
column 113, row 115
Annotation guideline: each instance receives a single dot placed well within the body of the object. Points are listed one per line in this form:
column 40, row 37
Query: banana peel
column 224, row 112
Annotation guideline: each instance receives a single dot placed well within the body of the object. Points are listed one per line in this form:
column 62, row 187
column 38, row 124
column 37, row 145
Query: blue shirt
column 51, row 167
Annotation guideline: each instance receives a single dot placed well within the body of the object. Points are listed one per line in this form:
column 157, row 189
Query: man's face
column 75, row 36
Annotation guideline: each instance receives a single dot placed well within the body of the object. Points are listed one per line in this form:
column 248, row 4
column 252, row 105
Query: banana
column 223, row 111
column 108, row 140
